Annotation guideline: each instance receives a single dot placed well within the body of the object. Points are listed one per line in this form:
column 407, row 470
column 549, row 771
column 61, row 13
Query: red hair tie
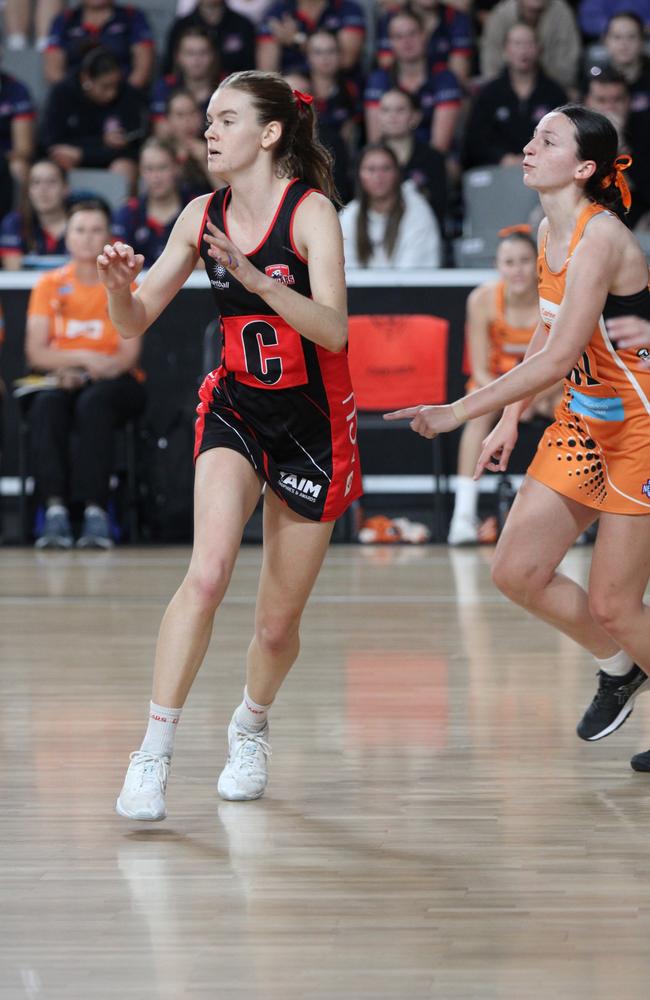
column 621, row 163
column 301, row 98
column 522, row 227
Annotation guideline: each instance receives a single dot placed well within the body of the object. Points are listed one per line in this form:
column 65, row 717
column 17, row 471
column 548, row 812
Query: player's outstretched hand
column 118, row 265
column 224, row 251
column 428, row 421
column 497, row 448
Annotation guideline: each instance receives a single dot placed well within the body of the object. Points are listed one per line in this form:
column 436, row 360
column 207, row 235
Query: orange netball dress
column 597, row 451
column 507, row 343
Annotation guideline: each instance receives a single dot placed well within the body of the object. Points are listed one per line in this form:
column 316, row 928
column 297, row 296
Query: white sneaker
column 463, row 531
column 245, row 774
column 143, row 793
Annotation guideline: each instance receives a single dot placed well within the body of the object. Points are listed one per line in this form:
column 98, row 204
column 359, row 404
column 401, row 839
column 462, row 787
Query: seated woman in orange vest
column 70, row 335
column 501, row 319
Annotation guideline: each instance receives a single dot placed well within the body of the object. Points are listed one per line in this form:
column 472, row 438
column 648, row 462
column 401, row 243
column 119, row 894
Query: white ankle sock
column 466, row 498
column 250, row 715
column 617, row 665
column 159, row 737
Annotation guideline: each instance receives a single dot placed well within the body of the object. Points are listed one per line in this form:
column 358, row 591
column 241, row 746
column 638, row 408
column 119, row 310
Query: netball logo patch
column 280, row 272
column 219, row 274
column 645, row 489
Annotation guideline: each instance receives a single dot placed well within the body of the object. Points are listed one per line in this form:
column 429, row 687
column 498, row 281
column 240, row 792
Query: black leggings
column 71, row 437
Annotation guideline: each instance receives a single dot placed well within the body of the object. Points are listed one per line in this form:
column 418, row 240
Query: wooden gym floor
column 432, row 829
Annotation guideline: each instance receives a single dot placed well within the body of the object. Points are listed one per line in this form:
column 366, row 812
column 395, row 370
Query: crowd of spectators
column 408, row 96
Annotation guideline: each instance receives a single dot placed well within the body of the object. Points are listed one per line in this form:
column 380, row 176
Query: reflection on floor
column 433, row 828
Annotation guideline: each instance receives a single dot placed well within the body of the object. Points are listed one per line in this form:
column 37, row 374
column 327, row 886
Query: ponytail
column 299, row 152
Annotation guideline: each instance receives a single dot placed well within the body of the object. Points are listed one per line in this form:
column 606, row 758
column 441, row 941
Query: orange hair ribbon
column 302, row 98
column 523, row 227
column 621, row 163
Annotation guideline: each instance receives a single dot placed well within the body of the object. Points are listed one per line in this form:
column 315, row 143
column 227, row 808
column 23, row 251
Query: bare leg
column 17, row 17
column 540, row 529
column 225, row 493
column 294, row 549
column 620, row 569
column 46, row 11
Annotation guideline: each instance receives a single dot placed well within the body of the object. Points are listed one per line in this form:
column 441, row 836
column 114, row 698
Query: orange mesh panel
column 398, row 361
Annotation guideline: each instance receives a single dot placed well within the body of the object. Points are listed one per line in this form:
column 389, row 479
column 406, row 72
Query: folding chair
column 397, row 361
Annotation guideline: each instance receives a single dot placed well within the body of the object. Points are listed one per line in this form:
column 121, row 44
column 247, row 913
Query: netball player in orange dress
column 279, row 411
column 594, row 460
column 501, row 319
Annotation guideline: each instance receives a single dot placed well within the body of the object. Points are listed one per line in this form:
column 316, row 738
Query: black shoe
column 641, row 761
column 613, row 702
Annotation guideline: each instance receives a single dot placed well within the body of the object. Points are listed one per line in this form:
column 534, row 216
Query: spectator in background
column 610, row 95
column 506, row 111
column 6, row 188
column 196, row 68
column 19, row 15
column 123, row 31
column 232, row 35
column 625, row 44
column 145, row 223
column 388, row 224
column 438, row 95
column 595, row 15
column 184, row 126
column 94, row 119
column 399, row 117
column 448, row 32
column 502, row 317
column 38, row 227
column 283, row 33
column 336, row 96
column 69, row 334
column 555, row 26
column 17, row 115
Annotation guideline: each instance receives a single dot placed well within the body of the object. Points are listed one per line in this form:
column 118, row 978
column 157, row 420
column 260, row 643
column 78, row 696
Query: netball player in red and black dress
column 279, row 411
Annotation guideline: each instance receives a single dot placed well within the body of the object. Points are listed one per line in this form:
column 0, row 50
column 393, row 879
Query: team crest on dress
column 645, row 489
column 280, row 272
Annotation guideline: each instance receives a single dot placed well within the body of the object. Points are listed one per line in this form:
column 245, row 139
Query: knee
column 276, row 634
column 518, row 581
column 207, row 586
column 610, row 611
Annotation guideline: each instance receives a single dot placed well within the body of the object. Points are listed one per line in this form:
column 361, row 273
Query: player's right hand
column 118, row 265
column 497, row 448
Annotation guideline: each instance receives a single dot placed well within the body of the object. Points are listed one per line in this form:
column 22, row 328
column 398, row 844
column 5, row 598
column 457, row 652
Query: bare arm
column 44, row 358
column 443, row 127
column 54, row 65
column 590, row 275
column 132, row 313
column 478, row 334
column 317, row 234
column 22, row 139
column 142, row 57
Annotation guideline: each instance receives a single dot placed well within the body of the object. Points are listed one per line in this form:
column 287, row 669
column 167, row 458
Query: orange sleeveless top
column 507, row 343
column 597, row 451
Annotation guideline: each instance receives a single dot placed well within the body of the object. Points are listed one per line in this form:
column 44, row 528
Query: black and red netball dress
column 283, row 402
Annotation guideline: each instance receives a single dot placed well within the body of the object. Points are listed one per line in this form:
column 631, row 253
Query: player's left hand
column 224, row 251
column 429, row 421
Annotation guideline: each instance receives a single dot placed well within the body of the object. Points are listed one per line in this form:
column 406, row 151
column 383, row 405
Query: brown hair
column 91, row 205
column 298, row 152
column 364, row 246
column 597, row 140
column 28, row 216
